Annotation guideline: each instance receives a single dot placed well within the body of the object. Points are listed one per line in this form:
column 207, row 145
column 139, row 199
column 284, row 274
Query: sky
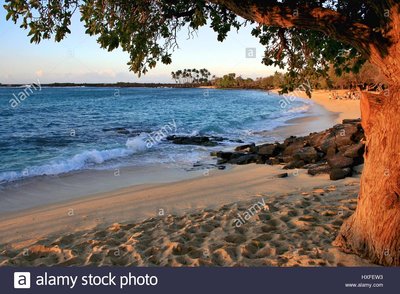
column 79, row 59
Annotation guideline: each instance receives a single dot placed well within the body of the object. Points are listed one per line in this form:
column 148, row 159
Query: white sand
column 345, row 109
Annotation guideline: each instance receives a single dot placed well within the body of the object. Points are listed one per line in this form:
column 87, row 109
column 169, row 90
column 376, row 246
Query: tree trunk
column 373, row 231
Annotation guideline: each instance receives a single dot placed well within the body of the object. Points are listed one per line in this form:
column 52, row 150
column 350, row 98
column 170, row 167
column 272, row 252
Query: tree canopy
column 305, row 37
column 369, row 77
column 191, row 76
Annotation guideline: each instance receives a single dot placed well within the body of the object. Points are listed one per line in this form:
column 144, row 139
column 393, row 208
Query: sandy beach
column 339, row 109
column 344, row 109
column 242, row 216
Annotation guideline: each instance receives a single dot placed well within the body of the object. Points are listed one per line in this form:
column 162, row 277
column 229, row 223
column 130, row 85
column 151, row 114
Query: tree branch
column 327, row 21
column 181, row 14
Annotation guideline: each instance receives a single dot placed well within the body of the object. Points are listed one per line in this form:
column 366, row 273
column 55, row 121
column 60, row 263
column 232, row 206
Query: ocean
column 53, row 131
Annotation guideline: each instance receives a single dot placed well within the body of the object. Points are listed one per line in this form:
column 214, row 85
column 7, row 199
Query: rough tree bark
column 373, row 231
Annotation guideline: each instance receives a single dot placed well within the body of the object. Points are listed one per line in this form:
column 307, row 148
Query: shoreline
column 179, row 198
column 82, row 184
column 69, row 186
column 26, row 194
column 343, row 109
column 318, row 119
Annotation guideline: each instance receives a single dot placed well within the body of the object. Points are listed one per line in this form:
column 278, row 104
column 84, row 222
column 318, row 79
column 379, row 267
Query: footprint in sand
column 223, row 256
column 179, row 249
column 236, row 239
column 285, row 218
column 265, row 237
column 250, row 250
column 207, row 228
column 195, row 253
column 264, row 216
column 308, row 218
column 268, row 228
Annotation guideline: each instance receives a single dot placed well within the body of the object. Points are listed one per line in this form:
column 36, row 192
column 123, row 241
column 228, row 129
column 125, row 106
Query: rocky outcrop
column 335, row 151
column 195, row 140
column 318, row 169
column 207, row 141
column 340, row 161
column 340, row 173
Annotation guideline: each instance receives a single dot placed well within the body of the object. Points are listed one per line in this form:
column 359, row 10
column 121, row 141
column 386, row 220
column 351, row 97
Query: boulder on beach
column 307, row 154
column 355, row 151
column 252, row 148
column 318, row 169
column 335, row 151
column 294, row 164
column 340, row 173
column 195, row 140
column 244, row 159
column 269, row 150
column 340, row 161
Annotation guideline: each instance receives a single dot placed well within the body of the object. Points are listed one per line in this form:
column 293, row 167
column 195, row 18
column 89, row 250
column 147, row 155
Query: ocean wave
column 85, row 159
column 211, row 129
column 252, row 125
column 300, row 109
column 243, row 122
column 280, row 119
column 141, row 142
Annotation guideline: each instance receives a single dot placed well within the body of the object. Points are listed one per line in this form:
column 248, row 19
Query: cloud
column 39, row 73
column 107, row 73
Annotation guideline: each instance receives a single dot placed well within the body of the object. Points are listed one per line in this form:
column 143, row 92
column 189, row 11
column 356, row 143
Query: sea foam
column 79, row 161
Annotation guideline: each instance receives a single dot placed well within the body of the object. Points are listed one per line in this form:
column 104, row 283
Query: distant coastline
column 135, row 85
column 108, row 85
column 139, row 85
column 161, row 85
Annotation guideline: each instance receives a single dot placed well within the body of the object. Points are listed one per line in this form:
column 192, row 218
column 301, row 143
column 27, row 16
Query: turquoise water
column 50, row 131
